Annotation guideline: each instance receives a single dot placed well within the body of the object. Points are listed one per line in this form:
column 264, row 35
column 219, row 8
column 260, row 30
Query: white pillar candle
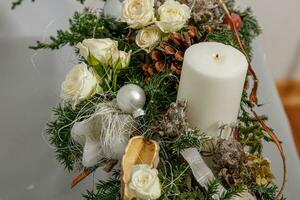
column 212, row 81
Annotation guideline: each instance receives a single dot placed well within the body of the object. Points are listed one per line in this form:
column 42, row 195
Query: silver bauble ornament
column 112, row 8
column 131, row 98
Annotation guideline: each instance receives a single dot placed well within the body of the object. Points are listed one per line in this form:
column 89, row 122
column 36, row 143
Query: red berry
column 237, row 21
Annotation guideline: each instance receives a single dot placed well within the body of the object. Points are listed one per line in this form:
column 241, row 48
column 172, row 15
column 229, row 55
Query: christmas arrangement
column 163, row 98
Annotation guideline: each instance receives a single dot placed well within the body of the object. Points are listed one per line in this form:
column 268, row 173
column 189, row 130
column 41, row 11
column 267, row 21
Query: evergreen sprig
column 249, row 30
column 106, row 189
column 68, row 152
column 174, row 172
column 191, row 139
column 159, row 92
column 265, row 192
column 251, row 133
column 83, row 25
column 212, row 189
column 232, row 192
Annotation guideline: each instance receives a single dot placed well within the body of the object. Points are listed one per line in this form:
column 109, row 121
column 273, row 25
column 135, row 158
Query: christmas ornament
column 236, row 19
column 104, row 135
column 112, row 8
column 169, row 55
column 131, row 98
column 138, row 151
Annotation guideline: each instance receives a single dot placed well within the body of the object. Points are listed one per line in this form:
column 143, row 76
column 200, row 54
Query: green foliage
column 174, row 172
column 67, row 151
column 233, row 191
column 106, row 190
column 251, row 133
column 159, row 92
column 191, row 139
column 85, row 25
column 249, row 30
column 224, row 36
column 266, row 192
column 213, row 187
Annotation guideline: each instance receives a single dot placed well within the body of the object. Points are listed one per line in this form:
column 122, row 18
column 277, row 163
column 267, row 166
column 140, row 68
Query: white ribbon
column 201, row 171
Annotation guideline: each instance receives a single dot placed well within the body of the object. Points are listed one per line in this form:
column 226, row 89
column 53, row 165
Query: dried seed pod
column 138, row 151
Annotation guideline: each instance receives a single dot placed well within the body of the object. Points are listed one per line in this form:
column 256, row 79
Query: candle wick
column 216, row 55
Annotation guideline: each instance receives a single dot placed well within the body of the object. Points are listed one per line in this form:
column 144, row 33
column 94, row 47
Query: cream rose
column 80, row 84
column 138, row 13
column 104, row 51
column 172, row 16
column 145, row 182
column 148, row 38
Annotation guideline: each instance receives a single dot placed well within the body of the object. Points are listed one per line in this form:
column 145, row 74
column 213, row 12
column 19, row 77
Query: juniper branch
column 84, row 25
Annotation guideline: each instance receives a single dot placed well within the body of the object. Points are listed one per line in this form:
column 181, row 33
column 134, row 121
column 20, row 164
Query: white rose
column 125, row 58
column 145, row 182
column 80, row 84
column 172, row 16
column 138, row 13
column 148, row 38
column 99, row 50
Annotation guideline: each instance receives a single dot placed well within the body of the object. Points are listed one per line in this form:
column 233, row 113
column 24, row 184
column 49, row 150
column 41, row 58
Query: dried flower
column 260, row 169
column 205, row 11
column 228, row 156
column 174, row 122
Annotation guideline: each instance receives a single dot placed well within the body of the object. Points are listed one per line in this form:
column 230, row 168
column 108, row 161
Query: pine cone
column 168, row 56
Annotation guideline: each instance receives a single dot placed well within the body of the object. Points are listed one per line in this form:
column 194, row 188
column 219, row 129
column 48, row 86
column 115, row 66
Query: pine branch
column 212, row 189
column 86, row 25
column 223, row 36
column 106, row 190
column 234, row 191
column 265, row 192
column 250, row 29
column 159, row 92
column 191, row 139
column 68, row 152
column 251, row 133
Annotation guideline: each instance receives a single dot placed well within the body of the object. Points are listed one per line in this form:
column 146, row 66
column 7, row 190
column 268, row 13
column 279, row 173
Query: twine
column 254, row 100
